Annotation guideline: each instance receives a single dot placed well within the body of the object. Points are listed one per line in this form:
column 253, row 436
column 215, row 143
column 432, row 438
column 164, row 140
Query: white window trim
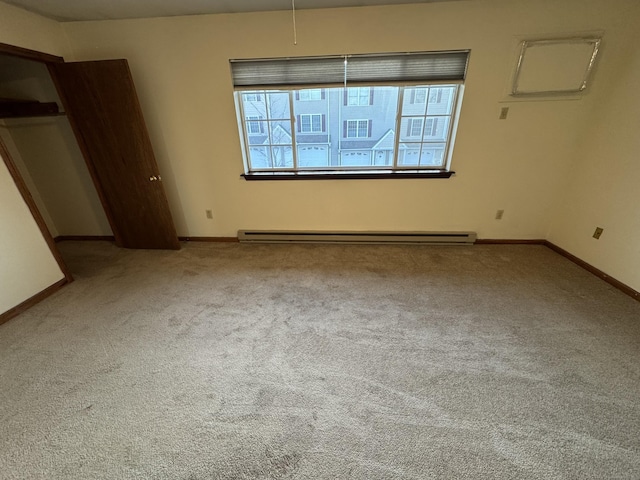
column 359, row 102
column 448, row 136
column 357, row 128
column 310, row 95
column 311, row 117
column 415, row 123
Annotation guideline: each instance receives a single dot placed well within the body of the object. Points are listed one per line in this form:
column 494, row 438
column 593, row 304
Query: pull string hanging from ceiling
column 295, row 30
column 346, row 63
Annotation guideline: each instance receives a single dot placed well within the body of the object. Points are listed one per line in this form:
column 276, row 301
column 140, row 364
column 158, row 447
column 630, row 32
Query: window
column 254, row 126
column 431, row 127
column 359, row 96
column 311, row 123
column 408, row 126
column 252, row 97
column 435, row 96
column 357, row 128
column 310, row 95
column 273, row 149
column 419, row 95
column 415, row 127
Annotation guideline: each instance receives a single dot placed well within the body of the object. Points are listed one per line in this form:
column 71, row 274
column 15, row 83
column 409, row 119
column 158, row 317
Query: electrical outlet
column 503, row 113
column 499, row 214
column 597, row 233
column 209, row 214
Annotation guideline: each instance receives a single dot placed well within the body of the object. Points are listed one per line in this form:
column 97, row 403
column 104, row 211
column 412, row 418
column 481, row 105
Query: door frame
column 26, row 194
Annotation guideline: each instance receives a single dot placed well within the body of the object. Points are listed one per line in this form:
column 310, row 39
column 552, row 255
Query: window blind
column 336, row 70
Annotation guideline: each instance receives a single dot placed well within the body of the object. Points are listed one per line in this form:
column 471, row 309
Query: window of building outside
column 310, row 123
column 254, row 125
column 381, row 128
column 359, row 96
column 310, row 95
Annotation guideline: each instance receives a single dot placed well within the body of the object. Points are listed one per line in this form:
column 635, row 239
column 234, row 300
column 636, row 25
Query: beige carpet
column 223, row 361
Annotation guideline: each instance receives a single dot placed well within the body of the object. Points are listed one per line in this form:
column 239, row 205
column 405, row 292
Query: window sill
column 346, row 175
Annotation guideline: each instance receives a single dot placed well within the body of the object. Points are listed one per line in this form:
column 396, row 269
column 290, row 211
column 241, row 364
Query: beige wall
column 603, row 187
column 60, row 176
column 181, row 68
column 11, row 147
column 26, row 263
column 28, row 30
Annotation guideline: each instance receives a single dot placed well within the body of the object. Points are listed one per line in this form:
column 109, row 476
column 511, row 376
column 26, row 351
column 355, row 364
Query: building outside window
column 252, row 97
column 359, row 96
column 310, row 95
column 254, row 126
column 310, row 123
column 357, row 128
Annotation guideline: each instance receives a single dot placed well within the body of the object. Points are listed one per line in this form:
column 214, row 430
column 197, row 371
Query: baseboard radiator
column 422, row 238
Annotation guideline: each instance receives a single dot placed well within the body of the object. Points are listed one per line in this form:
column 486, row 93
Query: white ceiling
column 78, row 10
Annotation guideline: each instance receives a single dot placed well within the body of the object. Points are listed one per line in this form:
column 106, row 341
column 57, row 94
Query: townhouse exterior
column 352, row 127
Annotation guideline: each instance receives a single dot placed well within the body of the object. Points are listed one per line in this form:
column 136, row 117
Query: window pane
column 281, row 157
column 414, row 101
column 432, row 155
column 259, row 157
column 316, row 123
column 364, row 96
column 358, row 96
column 353, row 96
column 409, row 154
column 441, row 100
column 411, row 129
column 313, row 156
column 253, row 105
column 305, row 123
column 278, row 106
column 280, row 133
column 436, row 129
column 363, row 128
column 310, row 95
column 355, row 158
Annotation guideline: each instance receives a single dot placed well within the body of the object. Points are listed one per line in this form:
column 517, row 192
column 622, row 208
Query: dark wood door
column 102, row 106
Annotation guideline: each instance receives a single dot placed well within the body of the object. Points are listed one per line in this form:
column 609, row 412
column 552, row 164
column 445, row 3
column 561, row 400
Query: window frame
column 413, row 121
column 258, row 97
column 395, row 170
column 363, row 72
column 310, row 97
column 358, row 123
column 362, row 97
column 311, row 118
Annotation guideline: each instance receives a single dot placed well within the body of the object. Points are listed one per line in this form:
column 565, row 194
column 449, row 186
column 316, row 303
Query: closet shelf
column 18, row 108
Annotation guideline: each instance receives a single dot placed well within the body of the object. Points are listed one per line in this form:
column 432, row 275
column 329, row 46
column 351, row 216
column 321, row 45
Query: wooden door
column 102, row 106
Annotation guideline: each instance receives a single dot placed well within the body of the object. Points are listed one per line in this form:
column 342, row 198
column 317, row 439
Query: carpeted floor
column 225, row 361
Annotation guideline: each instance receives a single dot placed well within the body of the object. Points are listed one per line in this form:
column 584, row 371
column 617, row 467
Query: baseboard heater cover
column 285, row 236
